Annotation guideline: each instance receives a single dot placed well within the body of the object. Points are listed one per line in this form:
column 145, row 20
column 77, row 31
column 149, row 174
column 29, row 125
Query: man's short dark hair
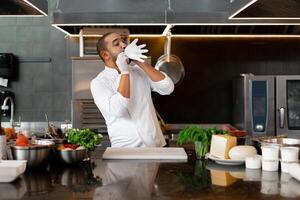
column 102, row 44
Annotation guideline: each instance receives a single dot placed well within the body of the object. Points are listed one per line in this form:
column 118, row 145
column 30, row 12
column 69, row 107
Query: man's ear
column 104, row 54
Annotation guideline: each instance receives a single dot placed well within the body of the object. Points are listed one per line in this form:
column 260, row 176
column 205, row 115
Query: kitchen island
column 148, row 179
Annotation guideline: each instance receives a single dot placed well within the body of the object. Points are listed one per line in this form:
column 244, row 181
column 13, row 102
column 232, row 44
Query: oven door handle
column 281, row 117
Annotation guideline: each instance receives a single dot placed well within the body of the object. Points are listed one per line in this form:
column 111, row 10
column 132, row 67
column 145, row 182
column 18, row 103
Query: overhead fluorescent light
column 230, row 24
column 237, row 36
column 153, row 29
column 182, row 34
column 62, row 30
column 36, row 8
column 241, row 9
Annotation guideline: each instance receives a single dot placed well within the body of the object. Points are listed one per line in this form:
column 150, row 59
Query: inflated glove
column 135, row 52
column 122, row 63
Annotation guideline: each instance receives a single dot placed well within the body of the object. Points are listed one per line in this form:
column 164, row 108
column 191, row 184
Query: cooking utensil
column 52, row 131
column 170, row 64
column 35, row 155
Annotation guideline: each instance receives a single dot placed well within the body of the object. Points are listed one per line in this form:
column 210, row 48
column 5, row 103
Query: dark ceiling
column 21, row 8
column 272, row 9
column 16, row 7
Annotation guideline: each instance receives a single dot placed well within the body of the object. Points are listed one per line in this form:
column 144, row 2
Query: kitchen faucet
column 5, row 107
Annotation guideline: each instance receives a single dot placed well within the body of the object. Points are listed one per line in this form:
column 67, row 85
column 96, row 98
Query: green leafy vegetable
column 197, row 134
column 85, row 138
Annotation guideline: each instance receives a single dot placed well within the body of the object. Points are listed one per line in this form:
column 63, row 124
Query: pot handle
column 281, row 117
column 168, row 45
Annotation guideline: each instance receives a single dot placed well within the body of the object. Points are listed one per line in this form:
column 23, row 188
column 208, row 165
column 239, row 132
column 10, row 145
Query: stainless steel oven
column 85, row 113
column 267, row 105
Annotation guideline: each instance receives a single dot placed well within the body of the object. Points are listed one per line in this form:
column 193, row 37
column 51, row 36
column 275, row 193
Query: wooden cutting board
column 152, row 153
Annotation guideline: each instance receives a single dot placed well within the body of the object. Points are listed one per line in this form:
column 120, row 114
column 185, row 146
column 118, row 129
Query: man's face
column 115, row 45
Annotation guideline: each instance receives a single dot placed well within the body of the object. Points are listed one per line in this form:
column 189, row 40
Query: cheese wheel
column 241, row 152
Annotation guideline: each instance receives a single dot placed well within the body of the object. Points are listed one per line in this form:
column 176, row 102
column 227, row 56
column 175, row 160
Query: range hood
column 21, row 8
column 156, row 17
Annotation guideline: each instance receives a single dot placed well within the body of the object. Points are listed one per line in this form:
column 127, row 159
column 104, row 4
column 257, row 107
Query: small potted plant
column 201, row 137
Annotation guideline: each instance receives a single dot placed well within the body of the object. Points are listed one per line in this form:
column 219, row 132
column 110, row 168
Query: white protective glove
column 122, row 63
column 135, row 52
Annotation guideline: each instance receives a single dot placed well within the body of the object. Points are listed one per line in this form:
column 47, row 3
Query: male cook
column 122, row 92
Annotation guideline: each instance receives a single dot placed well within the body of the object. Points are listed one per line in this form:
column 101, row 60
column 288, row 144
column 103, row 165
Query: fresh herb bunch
column 198, row 134
column 86, row 138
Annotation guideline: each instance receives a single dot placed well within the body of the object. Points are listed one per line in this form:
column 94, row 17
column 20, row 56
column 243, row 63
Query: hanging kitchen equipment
column 170, row 64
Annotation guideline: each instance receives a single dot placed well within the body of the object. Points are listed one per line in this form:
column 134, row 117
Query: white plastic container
column 294, row 186
column 294, row 170
column 269, row 187
column 253, row 162
column 289, row 154
column 270, row 176
column 270, row 152
column 286, row 190
column 270, row 165
column 252, row 175
column 285, row 177
column 285, row 166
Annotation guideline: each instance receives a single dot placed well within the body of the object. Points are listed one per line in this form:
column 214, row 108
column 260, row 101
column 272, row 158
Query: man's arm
column 159, row 82
column 153, row 74
column 124, row 85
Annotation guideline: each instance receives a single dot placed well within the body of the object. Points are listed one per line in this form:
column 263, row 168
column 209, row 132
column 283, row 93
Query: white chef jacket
column 131, row 122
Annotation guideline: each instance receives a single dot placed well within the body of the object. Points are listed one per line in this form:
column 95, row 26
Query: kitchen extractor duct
column 23, row 8
column 154, row 17
column 139, row 12
column 140, row 17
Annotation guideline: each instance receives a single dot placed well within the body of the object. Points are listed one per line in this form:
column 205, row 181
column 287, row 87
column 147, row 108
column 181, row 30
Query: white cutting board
column 152, row 153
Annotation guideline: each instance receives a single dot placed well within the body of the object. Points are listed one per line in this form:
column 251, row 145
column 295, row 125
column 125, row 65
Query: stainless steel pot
column 72, row 156
column 170, row 64
column 35, row 155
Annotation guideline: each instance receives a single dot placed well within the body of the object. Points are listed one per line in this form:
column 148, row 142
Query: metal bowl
column 35, row 155
column 72, row 156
